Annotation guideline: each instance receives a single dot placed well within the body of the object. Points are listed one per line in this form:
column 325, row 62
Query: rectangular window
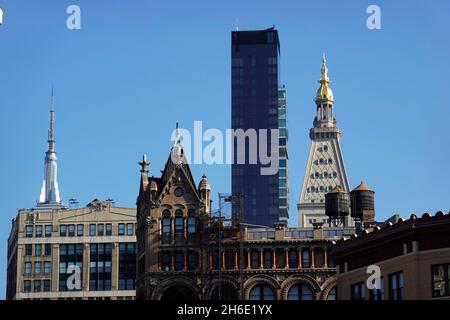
column 440, row 276
column 71, row 230
column 127, row 266
column 121, row 229
column 268, row 259
column 130, row 227
column 80, row 230
column 358, row 291
column 63, row 230
column 47, row 285
column 192, row 260
column 28, row 266
column 293, row 259
column 255, row 260
column 378, row 294
column 37, row 286
column 48, row 231
column 100, row 266
column 396, row 284
column 29, row 231
column 27, row 286
column 47, row 267
column 47, row 249
column 305, row 259
column 92, row 229
column 178, row 261
column 37, row 250
column 108, row 229
column 28, row 249
column 100, row 229
column 69, row 255
column 165, row 261
column 39, row 231
column 192, row 224
column 37, row 267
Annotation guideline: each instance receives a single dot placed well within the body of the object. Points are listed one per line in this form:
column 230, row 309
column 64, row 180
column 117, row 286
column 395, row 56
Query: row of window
column 28, row 267
column 319, row 189
column 396, row 289
column 38, row 249
column 323, row 161
column 296, row 292
column 256, row 259
column 38, row 285
column 318, row 175
column 239, row 62
column 36, row 231
column 99, row 229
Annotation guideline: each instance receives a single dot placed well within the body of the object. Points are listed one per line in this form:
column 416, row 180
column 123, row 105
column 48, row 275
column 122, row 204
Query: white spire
column 50, row 197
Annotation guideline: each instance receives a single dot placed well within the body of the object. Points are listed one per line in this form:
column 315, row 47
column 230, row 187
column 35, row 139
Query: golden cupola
column 324, row 93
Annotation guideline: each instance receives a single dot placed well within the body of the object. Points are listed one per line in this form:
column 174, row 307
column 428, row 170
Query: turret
column 205, row 189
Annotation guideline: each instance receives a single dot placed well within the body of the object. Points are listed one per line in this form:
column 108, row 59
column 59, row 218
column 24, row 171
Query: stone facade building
column 413, row 257
column 45, row 248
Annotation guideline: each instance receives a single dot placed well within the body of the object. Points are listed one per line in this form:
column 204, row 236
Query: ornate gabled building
column 185, row 253
column 325, row 168
column 169, row 210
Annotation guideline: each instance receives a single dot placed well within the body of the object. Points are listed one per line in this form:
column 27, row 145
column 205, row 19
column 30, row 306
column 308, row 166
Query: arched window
column 179, row 221
column 191, row 222
column 300, row 292
column 166, row 225
column 262, row 292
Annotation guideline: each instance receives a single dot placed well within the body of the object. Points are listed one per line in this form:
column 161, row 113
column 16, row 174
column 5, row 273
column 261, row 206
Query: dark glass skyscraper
column 255, row 105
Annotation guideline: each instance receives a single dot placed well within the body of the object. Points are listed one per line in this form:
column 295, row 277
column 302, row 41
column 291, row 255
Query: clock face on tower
column 179, row 191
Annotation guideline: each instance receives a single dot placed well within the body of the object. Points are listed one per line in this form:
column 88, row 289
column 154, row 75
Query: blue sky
column 137, row 67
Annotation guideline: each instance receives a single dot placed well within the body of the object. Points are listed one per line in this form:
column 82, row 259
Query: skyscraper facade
column 255, row 105
column 325, row 168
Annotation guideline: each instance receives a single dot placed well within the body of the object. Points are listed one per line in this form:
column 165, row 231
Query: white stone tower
column 325, row 168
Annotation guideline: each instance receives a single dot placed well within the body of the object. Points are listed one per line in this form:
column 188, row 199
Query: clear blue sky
column 137, row 67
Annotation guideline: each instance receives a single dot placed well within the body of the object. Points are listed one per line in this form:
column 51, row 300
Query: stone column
column 325, row 257
column 223, row 260
column 172, row 230
column 115, row 266
column 236, row 260
column 274, row 258
column 86, row 267
column 55, row 267
column 312, row 257
column 261, row 258
column 249, row 265
column 185, row 260
column 185, row 228
column 286, row 253
column 210, row 261
column 299, row 258
column 172, row 261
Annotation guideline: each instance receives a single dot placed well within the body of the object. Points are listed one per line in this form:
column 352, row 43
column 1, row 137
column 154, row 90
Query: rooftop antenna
column 237, row 24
